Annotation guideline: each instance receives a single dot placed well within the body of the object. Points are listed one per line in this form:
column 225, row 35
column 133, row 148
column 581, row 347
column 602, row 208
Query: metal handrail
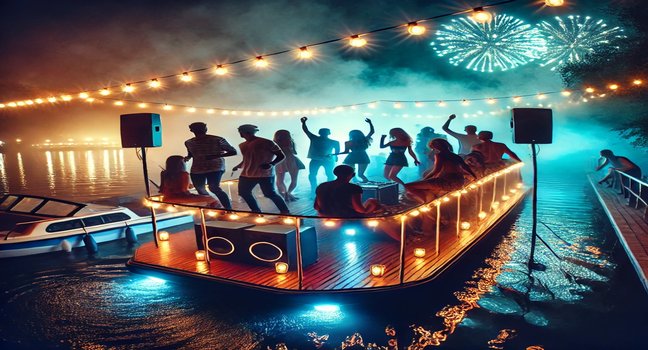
column 640, row 196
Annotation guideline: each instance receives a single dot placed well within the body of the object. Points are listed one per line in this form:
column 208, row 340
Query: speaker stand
column 534, row 209
column 148, row 194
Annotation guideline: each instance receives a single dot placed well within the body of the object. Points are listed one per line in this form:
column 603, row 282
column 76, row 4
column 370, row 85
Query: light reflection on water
column 490, row 301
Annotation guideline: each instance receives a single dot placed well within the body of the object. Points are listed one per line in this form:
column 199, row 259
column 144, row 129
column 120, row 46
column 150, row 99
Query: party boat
column 34, row 225
column 306, row 253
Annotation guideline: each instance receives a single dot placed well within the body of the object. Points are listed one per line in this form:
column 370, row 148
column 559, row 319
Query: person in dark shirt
column 619, row 163
column 321, row 153
column 340, row 198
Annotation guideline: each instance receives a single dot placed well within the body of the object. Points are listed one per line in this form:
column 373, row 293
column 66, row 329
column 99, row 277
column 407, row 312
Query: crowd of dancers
column 264, row 160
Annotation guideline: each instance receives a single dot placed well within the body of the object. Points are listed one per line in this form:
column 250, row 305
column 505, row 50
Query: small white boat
column 34, row 225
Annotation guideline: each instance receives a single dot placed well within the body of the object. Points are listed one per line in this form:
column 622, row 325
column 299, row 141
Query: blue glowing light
column 350, row 231
column 571, row 39
column 156, row 280
column 327, row 308
column 503, row 43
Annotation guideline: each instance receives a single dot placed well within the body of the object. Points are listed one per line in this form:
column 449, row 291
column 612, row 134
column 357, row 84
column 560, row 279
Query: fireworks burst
column 570, row 40
column 504, row 43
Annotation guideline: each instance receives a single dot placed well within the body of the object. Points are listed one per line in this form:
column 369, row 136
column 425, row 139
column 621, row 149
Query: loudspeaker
column 385, row 192
column 141, row 130
column 269, row 244
column 532, row 125
column 224, row 239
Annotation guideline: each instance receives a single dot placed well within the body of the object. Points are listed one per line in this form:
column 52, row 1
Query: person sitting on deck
column 340, row 198
column 467, row 140
column 259, row 158
column 493, row 151
column 447, row 175
column 619, row 163
column 174, row 185
column 475, row 161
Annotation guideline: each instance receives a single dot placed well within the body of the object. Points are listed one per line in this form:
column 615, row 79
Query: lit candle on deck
column 281, row 267
column 163, row 235
column 378, row 270
column 200, row 255
column 419, row 252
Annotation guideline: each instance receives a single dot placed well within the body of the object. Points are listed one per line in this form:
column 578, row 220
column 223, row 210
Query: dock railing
column 634, row 189
column 428, row 235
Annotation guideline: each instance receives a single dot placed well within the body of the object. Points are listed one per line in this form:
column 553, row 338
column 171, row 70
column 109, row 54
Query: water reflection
column 106, row 164
column 50, row 170
column 89, row 155
column 21, row 170
column 3, row 172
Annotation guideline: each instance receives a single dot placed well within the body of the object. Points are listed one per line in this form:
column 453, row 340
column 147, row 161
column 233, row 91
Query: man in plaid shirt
column 208, row 164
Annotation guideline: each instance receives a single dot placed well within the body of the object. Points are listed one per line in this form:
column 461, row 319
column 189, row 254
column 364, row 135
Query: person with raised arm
column 321, row 153
column 356, row 148
column 208, row 166
column 399, row 142
column 447, row 175
column 467, row 140
column 259, row 158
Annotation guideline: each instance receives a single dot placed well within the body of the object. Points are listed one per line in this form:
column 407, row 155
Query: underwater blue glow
column 503, row 43
column 327, row 308
column 156, row 280
column 350, row 231
column 572, row 39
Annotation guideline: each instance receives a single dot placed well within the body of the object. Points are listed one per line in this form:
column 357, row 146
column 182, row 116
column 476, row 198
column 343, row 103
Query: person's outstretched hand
column 452, row 116
column 417, row 163
column 368, row 120
column 303, row 119
column 383, row 137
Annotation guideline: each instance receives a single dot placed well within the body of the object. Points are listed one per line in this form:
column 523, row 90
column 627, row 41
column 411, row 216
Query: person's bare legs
column 293, row 184
column 361, row 172
column 393, row 174
column 281, row 186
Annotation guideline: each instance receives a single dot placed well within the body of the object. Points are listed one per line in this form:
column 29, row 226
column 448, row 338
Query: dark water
column 590, row 298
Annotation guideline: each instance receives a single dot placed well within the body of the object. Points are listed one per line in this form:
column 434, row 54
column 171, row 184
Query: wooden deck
column 629, row 225
column 344, row 261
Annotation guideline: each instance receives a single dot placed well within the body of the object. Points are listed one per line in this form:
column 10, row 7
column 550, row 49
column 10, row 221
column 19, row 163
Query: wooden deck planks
column 629, row 226
column 344, row 261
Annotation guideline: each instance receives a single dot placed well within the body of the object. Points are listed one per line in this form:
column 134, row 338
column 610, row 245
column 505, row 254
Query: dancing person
column 467, row 140
column 493, row 151
column 447, row 175
column 259, row 158
column 356, row 148
column 321, row 153
column 400, row 141
column 619, row 163
column 422, row 150
column 174, row 185
column 208, row 165
column 290, row 165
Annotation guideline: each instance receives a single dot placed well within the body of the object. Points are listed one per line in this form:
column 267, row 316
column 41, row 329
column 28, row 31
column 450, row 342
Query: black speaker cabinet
column 532, row 125
column 269, row 244
column 224, row 239
column 384, row 192
column 141, row 130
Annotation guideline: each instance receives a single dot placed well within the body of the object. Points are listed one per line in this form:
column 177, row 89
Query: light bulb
column 191, row 109
column 491, row 101
column 142, row 105
column 167, row 107
column 554, row 3
column 220, row 70
column 481, row 16
column 119, row 103
column 357, row 41
column 185, row 77
column 613, row 87
column 128, row 88
column 415, row 28
column 260, row 62
column 590, row 90
column 66, row 97
column 304, row 53
column 84, row 95
column 51, row 99
column 104, row 92
column 566, row 93
column 637, row 82
column 154, row 84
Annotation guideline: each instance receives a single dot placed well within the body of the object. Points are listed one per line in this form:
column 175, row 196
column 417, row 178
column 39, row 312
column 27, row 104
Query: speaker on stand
column 141, row 130
column 533, row 126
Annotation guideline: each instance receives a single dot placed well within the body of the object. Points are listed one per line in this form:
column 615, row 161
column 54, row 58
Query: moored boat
column 34, row 225
column 303, row 253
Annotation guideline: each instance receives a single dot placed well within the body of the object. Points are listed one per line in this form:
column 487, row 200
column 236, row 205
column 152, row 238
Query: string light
column 491, row 101
column 304, row 53
column 167, row 108
column 260, row 62
column 613, row 87
column 589, row 89
column 51, row 99
column 415, row 29
column 220, row 70
column 154, row 84
column 104, row 92
column 119, row 103
column 481, row 16
column 565, row 93
column 84, row 95
column 186, row 77
column 191, row 109
column 128, row 88
column 357, row 41
column 39, row 100
column 142, row 105
column 554, row 3
column 637, row 82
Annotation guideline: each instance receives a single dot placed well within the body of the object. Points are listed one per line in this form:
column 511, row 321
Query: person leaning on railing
column 618, row 163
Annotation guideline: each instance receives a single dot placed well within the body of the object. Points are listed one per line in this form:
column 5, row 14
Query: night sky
column 52, row 47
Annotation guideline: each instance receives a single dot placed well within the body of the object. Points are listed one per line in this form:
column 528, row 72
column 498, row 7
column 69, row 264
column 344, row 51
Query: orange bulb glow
column 191, row 109
column 167, row 108
column 613, row 87
column 51, row 99
column 119, row 103
column 84, row 95
column 220, row 70
column 154, row 84
column 415, row 29
column 590, row 90
column 128, row 88
column 304, row 53
column 260, row 62
column 481, row 16
column 39, row 100
column 186, row 77
column 104, row 92
column 142, row 105
column 637, row 82
column 554, row 3
column 357, row 41
column 566, row 93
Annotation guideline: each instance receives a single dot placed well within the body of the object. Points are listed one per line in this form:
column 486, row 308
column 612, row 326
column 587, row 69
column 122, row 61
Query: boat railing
column 423, row 232
column 634, row 189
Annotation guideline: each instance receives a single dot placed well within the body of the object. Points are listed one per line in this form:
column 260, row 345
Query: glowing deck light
column 377, row 270
column 350, row 231
column 415, row 29
column 260, row 62
column 513, row 190
column 39, row 100
column 465, row 225
column 212, row 213
column 234, row 216
column 220, row 70
column 554, row 3
column 142, row 105
column 104, row 92
column 482, row 215
column 51, row 99
column 495, row 205
column 83, row 95
column 156, row 280
column 357, row 41
column 590, row 90
column 260, row 220
column 327, row 308
column 372, row 223
column 154, row 84
column 613, row 87
column 304, row 53
column 637, row 82
column 481, row 16
column 329, row 223
column 419, row 252
column 119, row 103
column 128, row 88
column 186, row 77
column 289, row 221
column 505, row 197
column 281, row 267
column 191, row 109
column 163, row 235
column 519, row 185
column 200, row 255
column 167, row 107
column 415, row 213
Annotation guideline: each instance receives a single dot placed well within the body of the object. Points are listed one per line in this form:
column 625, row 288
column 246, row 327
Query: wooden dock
column 629, row 224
